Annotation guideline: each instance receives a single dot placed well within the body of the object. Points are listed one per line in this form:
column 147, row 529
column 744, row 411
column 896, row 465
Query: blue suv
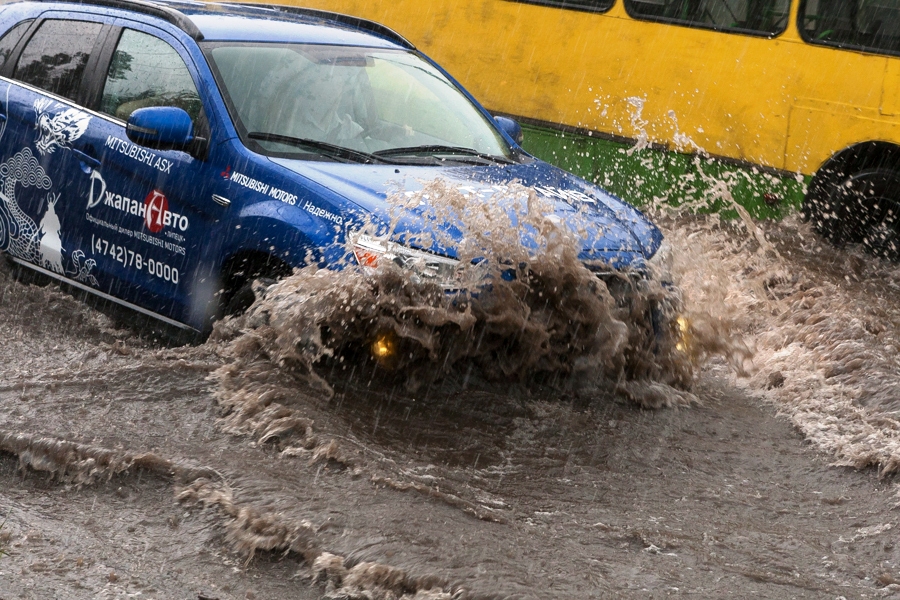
column 163, row 154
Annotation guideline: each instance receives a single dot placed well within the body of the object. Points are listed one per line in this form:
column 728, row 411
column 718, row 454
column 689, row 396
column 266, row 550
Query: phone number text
column 133, row 260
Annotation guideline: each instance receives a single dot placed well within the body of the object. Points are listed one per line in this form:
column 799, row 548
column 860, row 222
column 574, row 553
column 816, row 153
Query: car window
column 146, row 71
column 55, row 56
column 364, row 99
column 10, row 39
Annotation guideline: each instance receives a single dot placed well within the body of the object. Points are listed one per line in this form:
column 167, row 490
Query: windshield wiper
column 324, row 148
column 438, row 149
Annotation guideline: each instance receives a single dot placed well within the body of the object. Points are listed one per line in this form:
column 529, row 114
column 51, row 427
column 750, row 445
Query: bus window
column 590, row 5
column 872, row 25
column 756, row 17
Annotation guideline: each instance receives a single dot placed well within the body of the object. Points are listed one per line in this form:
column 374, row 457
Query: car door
column 43, row 118
column 8, row 43
column 146, row 212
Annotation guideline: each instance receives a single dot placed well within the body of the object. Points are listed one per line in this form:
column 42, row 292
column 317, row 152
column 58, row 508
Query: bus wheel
column 862, row 208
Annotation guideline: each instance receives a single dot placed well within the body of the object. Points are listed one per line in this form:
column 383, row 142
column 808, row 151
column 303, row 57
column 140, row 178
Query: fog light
column 384, row 348
column 683, row 338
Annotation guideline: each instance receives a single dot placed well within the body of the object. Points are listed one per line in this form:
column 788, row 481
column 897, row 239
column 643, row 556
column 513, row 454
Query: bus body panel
column 890, row 96
column 815, row 125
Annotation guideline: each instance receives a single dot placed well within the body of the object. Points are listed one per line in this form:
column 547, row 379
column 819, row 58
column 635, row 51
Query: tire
column 245, row 295
column 862, row 208
column 238, row 277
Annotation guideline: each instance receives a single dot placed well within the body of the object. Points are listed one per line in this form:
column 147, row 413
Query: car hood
column 613, row 231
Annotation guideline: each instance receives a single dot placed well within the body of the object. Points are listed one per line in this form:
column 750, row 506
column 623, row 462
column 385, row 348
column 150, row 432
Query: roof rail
column 148, row 8
column 355, row 22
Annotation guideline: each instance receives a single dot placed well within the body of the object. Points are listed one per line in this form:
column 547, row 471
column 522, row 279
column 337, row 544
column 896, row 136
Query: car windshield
column 350, row 103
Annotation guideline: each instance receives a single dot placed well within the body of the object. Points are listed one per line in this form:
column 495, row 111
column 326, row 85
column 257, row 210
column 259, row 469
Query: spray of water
column 822, row 324
column 555, row 318
column 810, row 327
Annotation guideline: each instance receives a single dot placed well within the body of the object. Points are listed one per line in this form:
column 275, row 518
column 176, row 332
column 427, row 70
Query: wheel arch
column 243, row 266
column 842, row 164
column 269, row 240
column 854, row 196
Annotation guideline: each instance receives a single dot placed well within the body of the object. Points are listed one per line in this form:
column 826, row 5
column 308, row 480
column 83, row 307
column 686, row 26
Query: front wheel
column 862, row 208
column 243, row 298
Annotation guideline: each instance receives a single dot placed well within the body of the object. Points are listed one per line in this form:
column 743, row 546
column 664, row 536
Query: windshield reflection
column 365, row 100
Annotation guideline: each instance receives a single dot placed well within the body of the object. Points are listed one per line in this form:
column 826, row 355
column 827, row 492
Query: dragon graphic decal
column 20, row 236
column 58, row 130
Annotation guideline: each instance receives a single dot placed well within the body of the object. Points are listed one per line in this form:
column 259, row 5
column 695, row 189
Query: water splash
column 822, row 324
column 555, row 319
column 638, row 124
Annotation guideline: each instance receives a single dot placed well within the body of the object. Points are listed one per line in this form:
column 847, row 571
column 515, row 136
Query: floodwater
column 263, row 464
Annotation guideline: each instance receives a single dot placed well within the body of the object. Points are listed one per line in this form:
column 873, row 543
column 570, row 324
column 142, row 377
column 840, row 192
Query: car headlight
column 661, row 263
column 424, row 266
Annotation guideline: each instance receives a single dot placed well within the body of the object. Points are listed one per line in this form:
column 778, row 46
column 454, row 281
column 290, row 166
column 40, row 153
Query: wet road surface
column 123, row 473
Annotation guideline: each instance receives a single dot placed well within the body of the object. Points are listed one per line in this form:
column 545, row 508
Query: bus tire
column 862, row 208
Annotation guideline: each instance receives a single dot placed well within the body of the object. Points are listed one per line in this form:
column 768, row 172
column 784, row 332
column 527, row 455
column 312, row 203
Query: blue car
column 162, row 155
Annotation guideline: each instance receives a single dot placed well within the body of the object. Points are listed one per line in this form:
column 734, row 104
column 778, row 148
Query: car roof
column 240, row 22
column 273, row 22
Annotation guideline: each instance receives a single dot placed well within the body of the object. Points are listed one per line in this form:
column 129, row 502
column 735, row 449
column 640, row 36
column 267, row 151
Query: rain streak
column 524, row 430
column 722, row 424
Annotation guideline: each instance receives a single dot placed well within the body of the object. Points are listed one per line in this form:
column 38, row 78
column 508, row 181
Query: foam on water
column 823, row 324
column 813, row 328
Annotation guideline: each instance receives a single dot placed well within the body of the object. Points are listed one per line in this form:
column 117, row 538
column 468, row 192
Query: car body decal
column 259, row 186
column 153, row 210
column 142, row 155
column 59, row 130
column 322, row 213
column 20, row 235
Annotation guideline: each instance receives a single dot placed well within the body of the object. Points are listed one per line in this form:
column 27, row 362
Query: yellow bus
column 787, row 101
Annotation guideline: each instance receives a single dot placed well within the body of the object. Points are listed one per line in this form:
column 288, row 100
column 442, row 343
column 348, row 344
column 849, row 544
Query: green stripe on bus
column 650, row 176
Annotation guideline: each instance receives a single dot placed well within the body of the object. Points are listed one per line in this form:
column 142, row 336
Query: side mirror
column 510, row 128
column 161, row 128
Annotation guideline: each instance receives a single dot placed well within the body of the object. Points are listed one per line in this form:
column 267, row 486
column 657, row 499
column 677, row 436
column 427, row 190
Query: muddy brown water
column 125, row 475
